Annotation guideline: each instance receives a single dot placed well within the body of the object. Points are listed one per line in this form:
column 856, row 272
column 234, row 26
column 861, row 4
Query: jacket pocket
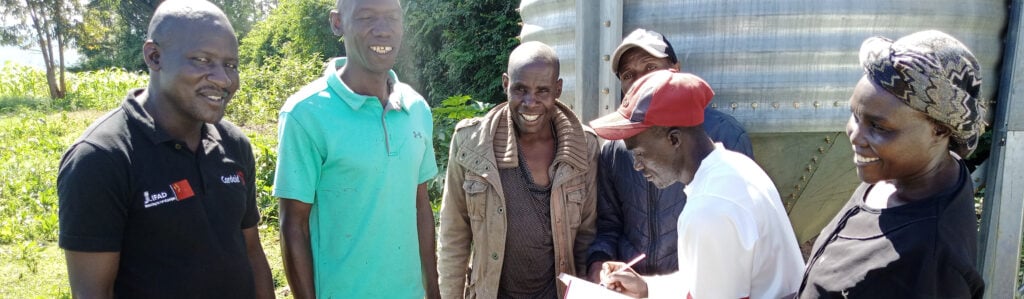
column 574, row 204
column 476, row 197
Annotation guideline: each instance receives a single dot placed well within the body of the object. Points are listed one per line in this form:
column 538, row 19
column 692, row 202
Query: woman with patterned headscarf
column 909, row 230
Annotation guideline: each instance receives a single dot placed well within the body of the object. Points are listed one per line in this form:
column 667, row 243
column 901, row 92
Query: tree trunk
column 59, row 17
column 45, row 40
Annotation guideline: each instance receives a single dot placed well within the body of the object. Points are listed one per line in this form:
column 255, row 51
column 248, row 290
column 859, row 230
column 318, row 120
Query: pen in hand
column 628, row 265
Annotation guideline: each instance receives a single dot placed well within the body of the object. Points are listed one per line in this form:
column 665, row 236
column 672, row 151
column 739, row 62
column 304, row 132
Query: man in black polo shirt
column 157, row 198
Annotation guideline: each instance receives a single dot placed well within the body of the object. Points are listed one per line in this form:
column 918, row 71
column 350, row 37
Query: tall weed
column 100, row 89
column 25, row 87
column 22, row 87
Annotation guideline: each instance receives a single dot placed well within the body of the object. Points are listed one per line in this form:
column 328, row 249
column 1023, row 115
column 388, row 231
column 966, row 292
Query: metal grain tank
column 783, row 68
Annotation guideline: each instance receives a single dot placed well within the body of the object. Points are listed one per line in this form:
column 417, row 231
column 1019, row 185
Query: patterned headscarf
column 934, row 73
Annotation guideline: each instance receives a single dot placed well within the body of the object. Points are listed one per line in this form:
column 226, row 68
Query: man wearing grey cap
column 634, row 216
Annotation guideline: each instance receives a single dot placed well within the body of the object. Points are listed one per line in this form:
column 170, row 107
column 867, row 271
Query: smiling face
column 196, row 69
column 655, row 154
column 636, row 63
column 532, row 89
column 373, row 33
column 891, row 141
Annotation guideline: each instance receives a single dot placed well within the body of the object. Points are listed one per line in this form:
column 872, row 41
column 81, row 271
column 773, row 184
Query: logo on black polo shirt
column 237, row 178
column 180, row 190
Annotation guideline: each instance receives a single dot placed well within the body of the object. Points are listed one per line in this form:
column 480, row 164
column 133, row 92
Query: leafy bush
column 297, row 29
column 267, row 85
column 446, row 116
column 459, row 47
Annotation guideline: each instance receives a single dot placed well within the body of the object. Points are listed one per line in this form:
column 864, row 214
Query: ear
column 676, row 67
column 942, row 130
column 558, row 89
column 504, row 82
column 675, row 137
column 151, row 55
column 335, row 20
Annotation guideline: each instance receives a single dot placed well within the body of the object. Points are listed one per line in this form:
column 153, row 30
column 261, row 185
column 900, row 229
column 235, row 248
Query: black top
column 635, row 217
column 175, row 216
column 925, row 249
column 529, row 267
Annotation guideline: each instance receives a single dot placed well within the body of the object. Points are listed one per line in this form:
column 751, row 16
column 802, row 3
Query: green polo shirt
column 358, row 163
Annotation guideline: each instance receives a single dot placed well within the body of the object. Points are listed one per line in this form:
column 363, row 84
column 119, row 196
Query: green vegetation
column 459, row 47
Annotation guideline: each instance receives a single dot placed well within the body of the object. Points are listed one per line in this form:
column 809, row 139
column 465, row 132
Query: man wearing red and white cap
column 735, row 240
column 634, row 216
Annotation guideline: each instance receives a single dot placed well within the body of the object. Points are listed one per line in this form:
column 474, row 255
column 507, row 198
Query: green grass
column 43, row 275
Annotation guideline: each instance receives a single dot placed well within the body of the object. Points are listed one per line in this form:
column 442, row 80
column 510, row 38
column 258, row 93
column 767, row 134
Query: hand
column 594, row 272
column 627, row 281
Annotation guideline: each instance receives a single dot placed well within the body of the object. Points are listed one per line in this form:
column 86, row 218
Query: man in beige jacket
column 520, row 196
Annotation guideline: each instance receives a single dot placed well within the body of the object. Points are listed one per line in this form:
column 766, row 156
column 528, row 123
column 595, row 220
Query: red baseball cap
column 663, row 98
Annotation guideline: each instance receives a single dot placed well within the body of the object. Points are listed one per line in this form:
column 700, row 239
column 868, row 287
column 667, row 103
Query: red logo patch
column 182, row 190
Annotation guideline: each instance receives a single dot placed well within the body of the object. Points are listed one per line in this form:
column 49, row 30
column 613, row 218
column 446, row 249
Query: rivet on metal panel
column 607, row 23
column 792, row 196
column 796, row 104
column 835, row 104
column 803, row 178
column 775, row 105
column 606, row 57
column 817, row 104
column 821, row 150
column 753, row 105
column 809, row 167
column 814, row 159
column 605, row 107
column 828, row 139
column 605, row 91
column 733, row 105
column 797, row 187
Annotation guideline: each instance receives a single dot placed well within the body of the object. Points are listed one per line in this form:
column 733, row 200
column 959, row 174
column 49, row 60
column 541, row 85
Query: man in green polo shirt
column 354, row 156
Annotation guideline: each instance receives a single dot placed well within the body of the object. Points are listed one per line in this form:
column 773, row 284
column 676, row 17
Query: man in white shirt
column 735, row 240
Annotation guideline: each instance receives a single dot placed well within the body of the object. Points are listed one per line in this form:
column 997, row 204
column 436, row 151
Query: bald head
column 531, row 52
column 176, row 18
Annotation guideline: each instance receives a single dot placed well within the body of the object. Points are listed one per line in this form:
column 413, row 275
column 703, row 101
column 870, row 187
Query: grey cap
column 652, row 42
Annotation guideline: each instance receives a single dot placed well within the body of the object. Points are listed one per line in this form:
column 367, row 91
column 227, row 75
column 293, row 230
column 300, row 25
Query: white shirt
column 735, row 240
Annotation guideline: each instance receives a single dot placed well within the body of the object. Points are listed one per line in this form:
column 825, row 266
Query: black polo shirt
column 175, row 216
